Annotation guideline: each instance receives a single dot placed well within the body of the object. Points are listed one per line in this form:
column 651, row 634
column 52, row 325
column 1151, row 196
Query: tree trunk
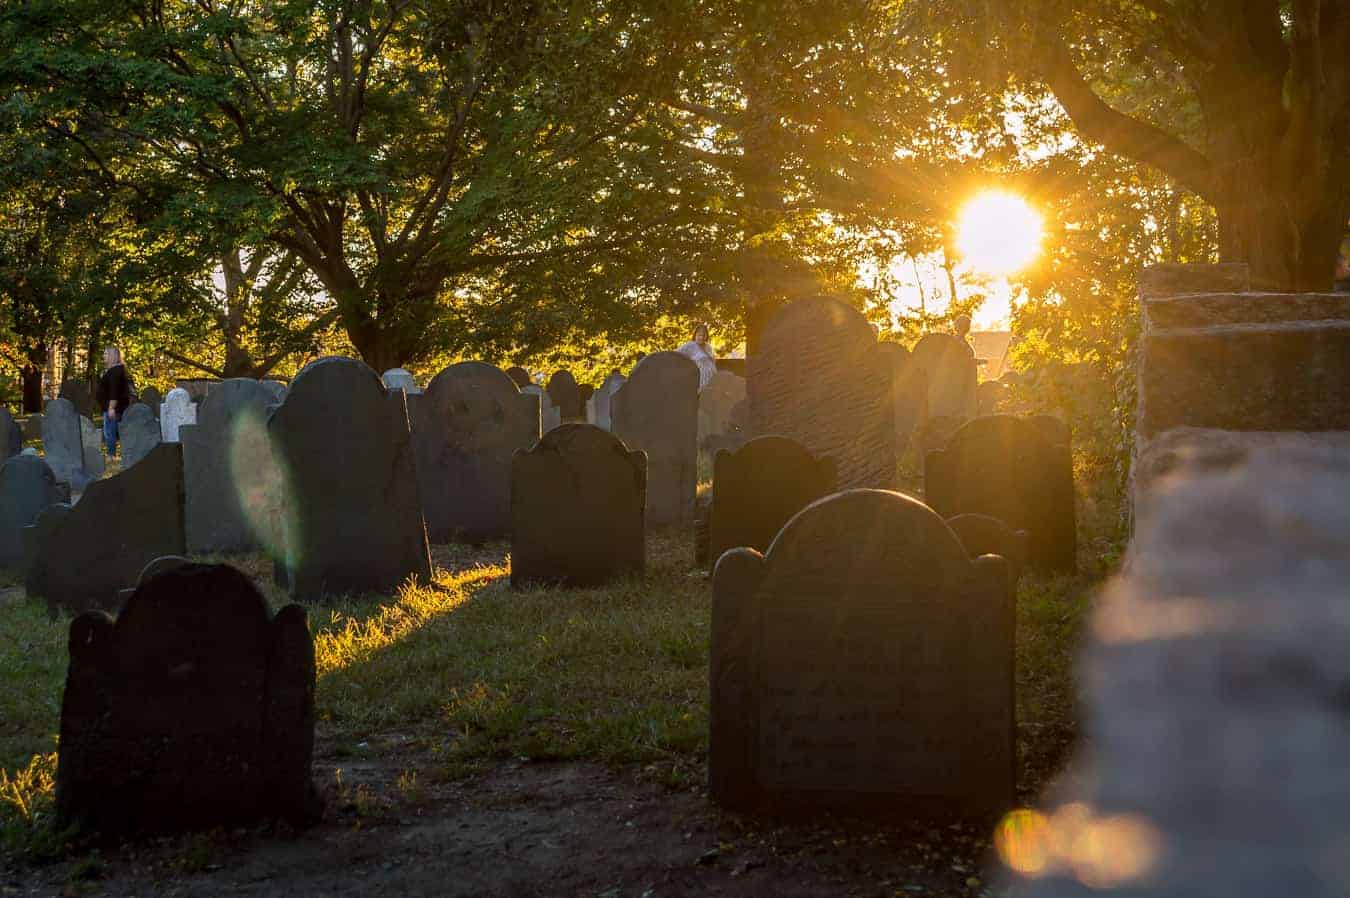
column 1289, row 249
column 32, row 378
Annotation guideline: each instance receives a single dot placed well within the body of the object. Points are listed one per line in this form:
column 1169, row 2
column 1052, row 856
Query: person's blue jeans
column 110, row 433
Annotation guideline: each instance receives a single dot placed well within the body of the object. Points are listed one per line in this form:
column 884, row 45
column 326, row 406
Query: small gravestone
column 466, row 428
column 519, row 376
column 1002, row 467
column 758, row 488
column 76, row 392
column 563, row 391
column 118, row 526
column 232, row 484
column 91, row 449
column 715, row 403
column 577, row 504
column 353, row 521
column 62, row 442
column 11, row 435
column 32, row 428
column 194, row 709
column 600, row 407
column 949, row 363
column 27, row 486
column 909, row 394
column 139, row 432
column 549, row 415
column 401, row 379
column 820, row 378
column 983, row 535
column 152, row 399
column 864, row 664
column 178, row 409
column 656, row 412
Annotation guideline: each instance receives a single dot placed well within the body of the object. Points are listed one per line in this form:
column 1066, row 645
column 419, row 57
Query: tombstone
column 983, row 535
column 586, row 391
column 11, row 435
column 152, row 399
column 232, row 483
column 353, row 521
column 577, row 501
column 139, row 433
column 466, row 428
column 275, row 389
column 909, row 394
column 519, row 376
column 563, row 391
column 656, row 412
column 91, row 448
column 178, row 409
column 194, row 709
column 62, row 441
column 952, row 379
column 864, row 664
column 819, row 378
column 715, row 403
column 32, row 428
column 1002, row 467
column 119, row 525
column 758, row 488
column 27, row 486
column 400, row 379
column 600, row 406
column 549, row 415
column 76, row 392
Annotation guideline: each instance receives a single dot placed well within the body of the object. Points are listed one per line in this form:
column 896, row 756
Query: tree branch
column 193, row 363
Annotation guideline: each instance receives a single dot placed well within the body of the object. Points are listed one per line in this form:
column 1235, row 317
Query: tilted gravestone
column 139, row 433
column 27, row 486
column 577, row 502
column 11, row 435
column 820, row 379
column 656, row 412
column 909, row 394
column 519, row 376
column 949, row 363
column 193, row 709
column 864, row 664
column 152, row 399
column 466, row 428
column 549, row 415
column 983, row 535
column 178, row 409
column 232, row 483
column 76, row 392
column 715, row 403
column 1002, row 467
column 353, row 521
column 401, row 379
column 120, row 525
column 600, row 406
column 63, row 442
column 566, row 395
column 758, row 488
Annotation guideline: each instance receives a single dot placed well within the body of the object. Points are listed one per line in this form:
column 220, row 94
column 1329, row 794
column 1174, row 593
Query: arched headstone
column 353, row 522
column 566, row 395
column 27, row 486
column 864, row 663
column 139, row 433
column 466, row 428
column 152, row 399
column 63, row 442
column 656, row 412
column 76, row 392
column 178, row 409
column 577, row 509
column 519, row 376
column 949, row 363
column 401, row 379
column 820, row 379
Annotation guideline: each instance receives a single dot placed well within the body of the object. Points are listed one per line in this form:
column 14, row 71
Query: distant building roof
column 993, row 347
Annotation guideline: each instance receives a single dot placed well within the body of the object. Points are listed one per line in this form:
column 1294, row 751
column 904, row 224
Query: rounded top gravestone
column 139, row 431
column 401, row 379
column 519, row 376
column 656, row 412
column 949, row 363
column 566, row 395
column 152, row 399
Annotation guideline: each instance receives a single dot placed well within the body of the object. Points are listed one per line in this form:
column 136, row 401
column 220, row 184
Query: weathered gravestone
column 600, row 406
column 91, row 449
column 549, row 416
column 76, row 392
column 120, row 525
column 1001, row 466
column 353, row 521
column 401, row 379
column 715, row 403
column 577, row 502
column 139, row 433
column 949, row 363
column 11, row 435
column 820, row 379
column 864, row 664
column 63, row 442
column 233, row 486
column 909, row 394
column 275, row 388
column 152, row 399
column 27, row 486
column 466, row 428
column 519, row 376
column 1214, row 684
column 566, row 395
column 656, row 412
column 193, row 709
column 178, row 409
column 983, row 535
column 758, row 488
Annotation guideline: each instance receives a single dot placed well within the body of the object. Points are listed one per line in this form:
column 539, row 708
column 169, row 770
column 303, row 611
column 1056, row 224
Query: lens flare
column 998, row 233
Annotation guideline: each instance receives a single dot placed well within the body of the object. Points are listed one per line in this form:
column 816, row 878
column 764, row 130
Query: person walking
column 114, row 396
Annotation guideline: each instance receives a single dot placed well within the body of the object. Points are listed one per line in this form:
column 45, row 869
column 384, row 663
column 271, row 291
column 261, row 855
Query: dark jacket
column 115, row 384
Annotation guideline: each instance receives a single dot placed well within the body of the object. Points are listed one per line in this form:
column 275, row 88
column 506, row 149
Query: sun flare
column 998, row 233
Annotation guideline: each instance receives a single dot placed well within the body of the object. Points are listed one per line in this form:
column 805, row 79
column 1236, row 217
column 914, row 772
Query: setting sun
column 998, row 233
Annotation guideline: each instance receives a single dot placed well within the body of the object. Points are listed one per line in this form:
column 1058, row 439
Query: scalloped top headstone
column 656, row 412
column 178, row 409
